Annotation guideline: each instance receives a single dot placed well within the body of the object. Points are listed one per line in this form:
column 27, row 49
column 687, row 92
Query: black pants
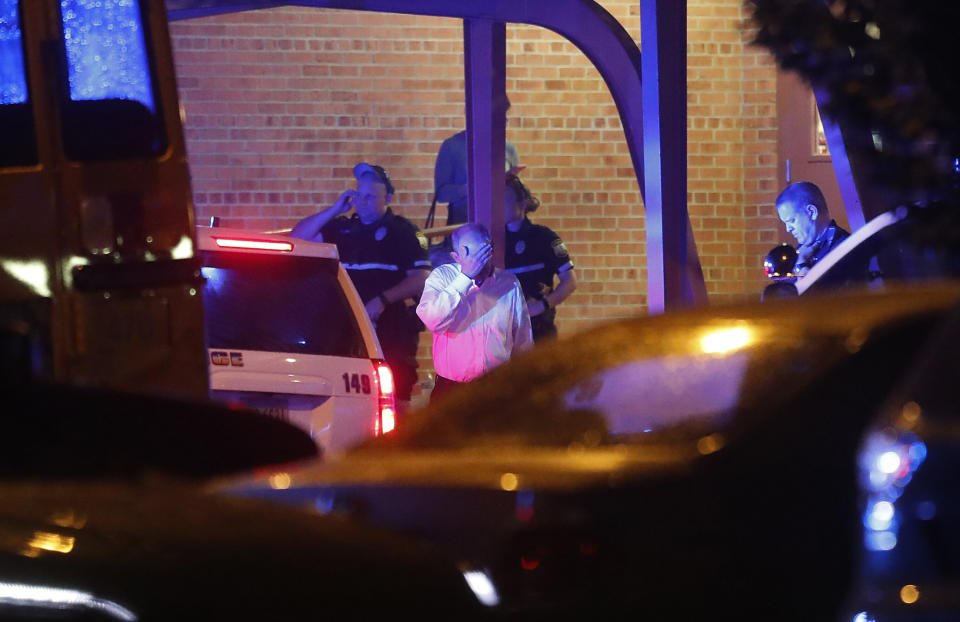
column 443, row 385
column 543, row 326
column 404, row 377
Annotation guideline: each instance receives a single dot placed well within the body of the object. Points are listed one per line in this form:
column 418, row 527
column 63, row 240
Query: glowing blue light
column 324, row 503
column 880, row 540
column 883, row 510
column 302, row 342
column 918, row 452
column 880, row 517
column 863, row 617
column 888, row 462
column 13, row 78
column 214, row 277
column 106, row 51
column 525, row 498
column 877, row 479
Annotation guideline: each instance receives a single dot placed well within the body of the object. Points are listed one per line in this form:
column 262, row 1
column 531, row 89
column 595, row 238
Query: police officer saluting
column 386, row 257
column 536, row 255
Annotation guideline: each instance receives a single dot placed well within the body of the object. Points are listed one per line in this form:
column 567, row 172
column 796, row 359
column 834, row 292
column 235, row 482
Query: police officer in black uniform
column 538, row 258
column 386, row 257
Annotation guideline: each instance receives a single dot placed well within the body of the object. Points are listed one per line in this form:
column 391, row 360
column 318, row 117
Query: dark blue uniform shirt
column 535, row 255
column 377, row 257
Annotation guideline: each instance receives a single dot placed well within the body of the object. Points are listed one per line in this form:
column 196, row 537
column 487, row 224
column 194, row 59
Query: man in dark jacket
column 804, row 213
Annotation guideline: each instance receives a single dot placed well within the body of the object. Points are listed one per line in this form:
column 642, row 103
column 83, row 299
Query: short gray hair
column 471, row 227
column 804, row 193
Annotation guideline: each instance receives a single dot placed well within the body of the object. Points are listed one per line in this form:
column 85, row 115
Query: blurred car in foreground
column 111, row 551
column 699, row 465
column 909, row 472
column 101, row 518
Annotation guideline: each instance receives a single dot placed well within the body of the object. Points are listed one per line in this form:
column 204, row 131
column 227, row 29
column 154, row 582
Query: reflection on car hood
column 523, row 421
column 505, row 468
column 169, row 552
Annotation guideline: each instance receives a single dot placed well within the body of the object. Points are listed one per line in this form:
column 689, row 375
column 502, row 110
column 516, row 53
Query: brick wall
column 281, row 103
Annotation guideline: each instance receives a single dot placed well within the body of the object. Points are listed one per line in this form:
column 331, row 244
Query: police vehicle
column 287, row 335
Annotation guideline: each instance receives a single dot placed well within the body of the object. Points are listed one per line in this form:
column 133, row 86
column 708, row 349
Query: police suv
column 287, row 335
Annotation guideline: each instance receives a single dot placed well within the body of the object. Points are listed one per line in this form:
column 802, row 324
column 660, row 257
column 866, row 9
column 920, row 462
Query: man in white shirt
column 477, row 313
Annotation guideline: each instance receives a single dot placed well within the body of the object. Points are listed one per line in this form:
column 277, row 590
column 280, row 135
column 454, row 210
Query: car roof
column 207, row 240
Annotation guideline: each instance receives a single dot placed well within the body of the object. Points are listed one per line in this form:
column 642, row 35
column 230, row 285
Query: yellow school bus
column 99, row 283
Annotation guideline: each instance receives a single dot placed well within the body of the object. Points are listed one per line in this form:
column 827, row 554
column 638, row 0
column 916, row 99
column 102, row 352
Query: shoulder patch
column 559, row 249
column 423, row 241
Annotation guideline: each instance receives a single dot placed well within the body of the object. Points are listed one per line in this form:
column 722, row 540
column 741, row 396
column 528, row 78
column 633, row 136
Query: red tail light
column 387, row 419
column 260, row 245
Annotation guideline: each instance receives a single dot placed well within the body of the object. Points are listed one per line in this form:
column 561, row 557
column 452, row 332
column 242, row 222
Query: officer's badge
column 380, row 233
column 559, row 249
column 520, row 247
column 424, row 244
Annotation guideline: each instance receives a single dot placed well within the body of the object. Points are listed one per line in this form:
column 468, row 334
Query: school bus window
column 112, row 111
column 18, row 147
column 13, row 78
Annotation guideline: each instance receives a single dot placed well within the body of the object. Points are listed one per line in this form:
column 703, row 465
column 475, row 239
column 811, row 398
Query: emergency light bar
column 260, row 245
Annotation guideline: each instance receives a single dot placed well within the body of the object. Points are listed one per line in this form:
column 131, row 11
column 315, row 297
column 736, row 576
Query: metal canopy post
column 842, row 167
column 674, row 278
column 485, row 61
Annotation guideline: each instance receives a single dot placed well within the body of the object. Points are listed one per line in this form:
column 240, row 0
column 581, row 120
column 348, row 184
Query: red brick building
column 281, row 103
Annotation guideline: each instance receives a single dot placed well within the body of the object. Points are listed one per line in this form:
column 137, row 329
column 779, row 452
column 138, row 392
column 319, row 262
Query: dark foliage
column 888, row 69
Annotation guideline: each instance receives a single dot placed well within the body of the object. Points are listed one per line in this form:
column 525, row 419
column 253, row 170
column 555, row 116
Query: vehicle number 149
column 356, row 383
